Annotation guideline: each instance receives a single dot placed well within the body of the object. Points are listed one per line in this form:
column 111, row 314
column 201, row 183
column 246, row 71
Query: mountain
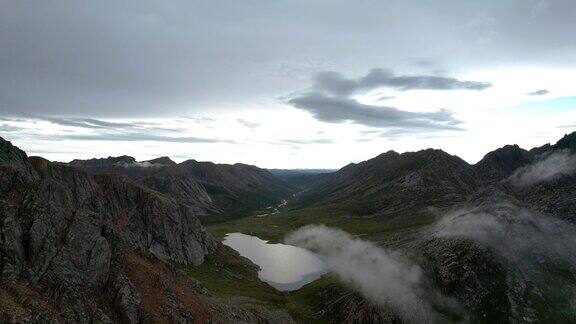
column 493, row 242
column 234, row 190
column 126, row 165
column 486, row 243
column 394, row 184
column 500, row 164
column 391, row 184
column 81, row 248
column 301, row 178
column 216, row 191
column 502, row 244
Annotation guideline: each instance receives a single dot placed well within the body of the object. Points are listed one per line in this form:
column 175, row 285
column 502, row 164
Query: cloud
column 148, row 58
column 202, row 120
column 133, row 137
column 247, row 123
column 330, row 101
column 336, row 84
column 547, row 168
column 523, row 237
column 87, row 123
column 541, row 92
column 9, row 128
column 382, row 276
column 339, row 110
column 142, row 165
column 89, row 129
column 312, row 141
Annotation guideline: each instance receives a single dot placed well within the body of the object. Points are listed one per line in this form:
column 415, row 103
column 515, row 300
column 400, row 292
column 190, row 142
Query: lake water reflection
column 284, row 267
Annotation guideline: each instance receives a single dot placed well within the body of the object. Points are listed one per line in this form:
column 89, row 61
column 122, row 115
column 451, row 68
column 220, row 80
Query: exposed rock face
column 125, row 165
column 164, row 160
column 59, row 224
column 103, row 164
column 183, row 187
column 234, row 189
column 207, row 188
column 67, row 239
column 568, row 142
column 127, row 300
column 391, row 184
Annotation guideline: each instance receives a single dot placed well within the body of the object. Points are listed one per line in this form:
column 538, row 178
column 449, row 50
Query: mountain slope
column 83, row 248
column 301, row 178
column 215, row 191
column 501, row 163
column 392, row 184
column 500, row 251
column 234, row 190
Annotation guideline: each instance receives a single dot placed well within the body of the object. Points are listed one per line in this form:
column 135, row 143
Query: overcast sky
column 284, row 83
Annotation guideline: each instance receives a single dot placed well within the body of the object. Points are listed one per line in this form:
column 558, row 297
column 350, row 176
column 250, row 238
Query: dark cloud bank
column 335, row 83
column 330, row 100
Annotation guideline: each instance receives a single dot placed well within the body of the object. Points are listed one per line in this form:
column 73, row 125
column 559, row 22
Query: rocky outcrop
column 224, row 190
column 65, row 236
column 234, row 190
column 127, row 300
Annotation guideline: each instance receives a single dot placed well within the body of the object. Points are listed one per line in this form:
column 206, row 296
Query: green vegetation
column 225, row 273
column 275, row 227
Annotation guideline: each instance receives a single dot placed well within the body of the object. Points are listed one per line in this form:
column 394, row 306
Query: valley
column 421, row 230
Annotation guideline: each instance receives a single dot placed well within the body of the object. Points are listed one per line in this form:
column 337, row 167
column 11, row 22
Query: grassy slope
column 225, row 273
column 275, row 227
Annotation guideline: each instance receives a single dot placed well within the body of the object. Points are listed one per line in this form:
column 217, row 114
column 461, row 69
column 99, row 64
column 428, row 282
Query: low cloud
column 525, row 238
column 541, row 92
column 142, row 165
column 201, row 120
column 89, row 129
column 313, row 141
column 247, row 123
column 9, row 128
column 135, row 137
column 338, row 110
column 336, row 84
column 87, row 123
column 382, row 276
column 547, row 168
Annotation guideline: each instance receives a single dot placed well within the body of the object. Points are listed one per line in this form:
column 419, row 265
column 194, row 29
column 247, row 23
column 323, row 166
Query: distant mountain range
column 393, row 184
column 98, row 240
column 505, row 230
column 300, row 178
column 217, row 192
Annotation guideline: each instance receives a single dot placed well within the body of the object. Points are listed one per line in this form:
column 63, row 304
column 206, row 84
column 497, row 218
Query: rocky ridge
column 79, row 247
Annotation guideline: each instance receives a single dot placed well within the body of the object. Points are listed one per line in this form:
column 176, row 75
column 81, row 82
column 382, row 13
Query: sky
column 284, row 83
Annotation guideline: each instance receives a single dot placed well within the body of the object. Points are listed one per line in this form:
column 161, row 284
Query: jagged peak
column 102, row 161
column 568, row 141
column 511, row 150
column 162, row 160
column 11, row 154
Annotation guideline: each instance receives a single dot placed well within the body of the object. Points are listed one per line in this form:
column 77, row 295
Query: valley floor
column 227, row 274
